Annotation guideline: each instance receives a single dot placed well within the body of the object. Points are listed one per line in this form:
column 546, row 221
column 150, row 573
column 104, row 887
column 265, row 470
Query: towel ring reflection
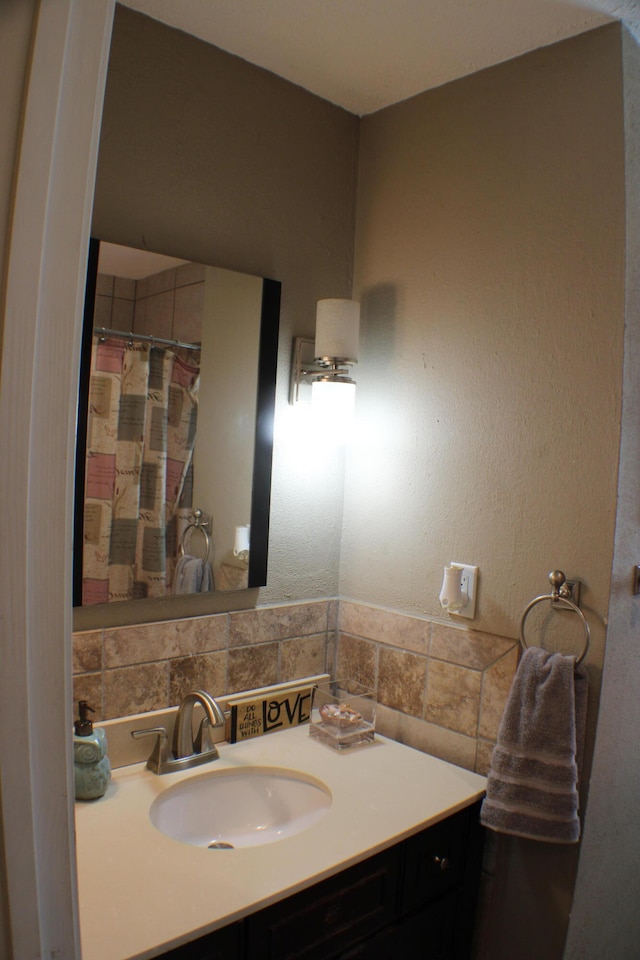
column 559, row 594
column 201, row 525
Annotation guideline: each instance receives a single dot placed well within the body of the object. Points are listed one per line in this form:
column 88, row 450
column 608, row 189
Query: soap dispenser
column 90, row 760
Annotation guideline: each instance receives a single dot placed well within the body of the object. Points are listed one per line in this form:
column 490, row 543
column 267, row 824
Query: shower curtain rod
column 106, row 332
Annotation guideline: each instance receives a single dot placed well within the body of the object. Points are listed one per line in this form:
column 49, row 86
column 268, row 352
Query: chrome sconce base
column 307, row 369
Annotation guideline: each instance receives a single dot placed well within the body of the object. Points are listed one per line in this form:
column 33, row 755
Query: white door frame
column 38, row 388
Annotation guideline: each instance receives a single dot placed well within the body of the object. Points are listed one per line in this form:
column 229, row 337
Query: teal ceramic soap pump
column 90, row 760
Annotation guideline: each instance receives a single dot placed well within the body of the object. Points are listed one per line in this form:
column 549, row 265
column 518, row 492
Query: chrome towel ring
column 560, row 594
column 198, row 524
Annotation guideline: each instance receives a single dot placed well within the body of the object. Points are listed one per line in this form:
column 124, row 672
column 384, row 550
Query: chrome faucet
column 187, row 751
column 184, row 744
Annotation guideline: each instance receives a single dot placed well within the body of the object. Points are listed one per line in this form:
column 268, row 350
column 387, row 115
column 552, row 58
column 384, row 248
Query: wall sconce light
column 324, row 363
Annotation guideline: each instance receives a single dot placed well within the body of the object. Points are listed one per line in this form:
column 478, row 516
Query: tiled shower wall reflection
column 440, row 688
column 168, row 304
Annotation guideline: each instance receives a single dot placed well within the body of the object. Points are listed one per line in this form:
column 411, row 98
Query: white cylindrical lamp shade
column 333, row 398
column 338, row 329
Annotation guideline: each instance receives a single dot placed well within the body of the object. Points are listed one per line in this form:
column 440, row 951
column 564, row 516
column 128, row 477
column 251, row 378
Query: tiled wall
column 440, row 688
column 168, row 304
column 134, row 669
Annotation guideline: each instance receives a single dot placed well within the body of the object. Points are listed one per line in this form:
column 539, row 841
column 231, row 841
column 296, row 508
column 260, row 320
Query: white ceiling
column 366, row 54
column 133, row 264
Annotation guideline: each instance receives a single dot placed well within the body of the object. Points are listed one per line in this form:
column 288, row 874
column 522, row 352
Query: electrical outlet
column 469, row 581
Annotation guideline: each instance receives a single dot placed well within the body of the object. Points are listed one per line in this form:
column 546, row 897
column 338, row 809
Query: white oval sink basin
column 240, row 808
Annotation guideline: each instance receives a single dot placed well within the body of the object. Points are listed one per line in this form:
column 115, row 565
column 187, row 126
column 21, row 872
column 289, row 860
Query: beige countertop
column 141, row 892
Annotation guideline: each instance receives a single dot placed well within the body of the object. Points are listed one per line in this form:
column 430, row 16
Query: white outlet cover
column 469, row 574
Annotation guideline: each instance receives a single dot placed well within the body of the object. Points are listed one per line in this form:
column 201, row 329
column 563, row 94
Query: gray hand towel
column 192, row 575
column 532, row 790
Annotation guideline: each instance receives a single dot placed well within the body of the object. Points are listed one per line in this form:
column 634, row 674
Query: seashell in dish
column 339, row 714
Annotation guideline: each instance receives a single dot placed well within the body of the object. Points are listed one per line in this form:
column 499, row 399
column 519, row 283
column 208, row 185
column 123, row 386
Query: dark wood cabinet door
column 425, row 935
column 225, row 944
column 434, row 862
column 322, row 922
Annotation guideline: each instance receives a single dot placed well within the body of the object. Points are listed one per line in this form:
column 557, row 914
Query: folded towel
column 532, row 790
column 192, row 575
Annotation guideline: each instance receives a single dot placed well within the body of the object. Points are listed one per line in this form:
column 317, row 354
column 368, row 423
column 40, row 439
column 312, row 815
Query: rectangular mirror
column 175, row 428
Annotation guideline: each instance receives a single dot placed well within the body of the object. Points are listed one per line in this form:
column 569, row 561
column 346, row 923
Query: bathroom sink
column 240, row 808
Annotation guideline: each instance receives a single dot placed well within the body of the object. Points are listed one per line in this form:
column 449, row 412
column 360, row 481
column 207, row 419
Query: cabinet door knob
column 442, row 862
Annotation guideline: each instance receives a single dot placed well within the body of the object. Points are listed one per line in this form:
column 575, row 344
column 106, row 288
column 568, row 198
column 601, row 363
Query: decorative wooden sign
column 277, row 709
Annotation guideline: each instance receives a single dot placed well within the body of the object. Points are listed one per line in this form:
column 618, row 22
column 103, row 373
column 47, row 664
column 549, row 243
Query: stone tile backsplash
column 440, row 688
column 135, row 669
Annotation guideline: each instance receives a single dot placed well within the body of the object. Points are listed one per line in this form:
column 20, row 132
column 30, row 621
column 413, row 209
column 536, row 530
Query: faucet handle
column 160, row 754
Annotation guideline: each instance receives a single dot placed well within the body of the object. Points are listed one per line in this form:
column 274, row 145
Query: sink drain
column 219, row 845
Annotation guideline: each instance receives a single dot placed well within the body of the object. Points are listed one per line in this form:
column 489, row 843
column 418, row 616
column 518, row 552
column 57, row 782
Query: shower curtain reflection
column 140, row 438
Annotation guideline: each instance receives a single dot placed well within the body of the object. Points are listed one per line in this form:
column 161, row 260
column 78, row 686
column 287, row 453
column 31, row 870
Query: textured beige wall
column 489, row 262
column 490, row 252
column 204, row 156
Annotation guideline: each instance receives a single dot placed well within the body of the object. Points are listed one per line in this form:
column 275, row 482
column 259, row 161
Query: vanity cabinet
column 416, row 898
column 225, row 944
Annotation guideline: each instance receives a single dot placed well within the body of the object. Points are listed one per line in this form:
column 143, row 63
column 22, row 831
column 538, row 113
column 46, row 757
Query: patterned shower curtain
column 140, row 437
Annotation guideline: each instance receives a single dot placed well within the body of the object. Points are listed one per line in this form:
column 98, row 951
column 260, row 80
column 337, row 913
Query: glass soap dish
column 343, row 714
